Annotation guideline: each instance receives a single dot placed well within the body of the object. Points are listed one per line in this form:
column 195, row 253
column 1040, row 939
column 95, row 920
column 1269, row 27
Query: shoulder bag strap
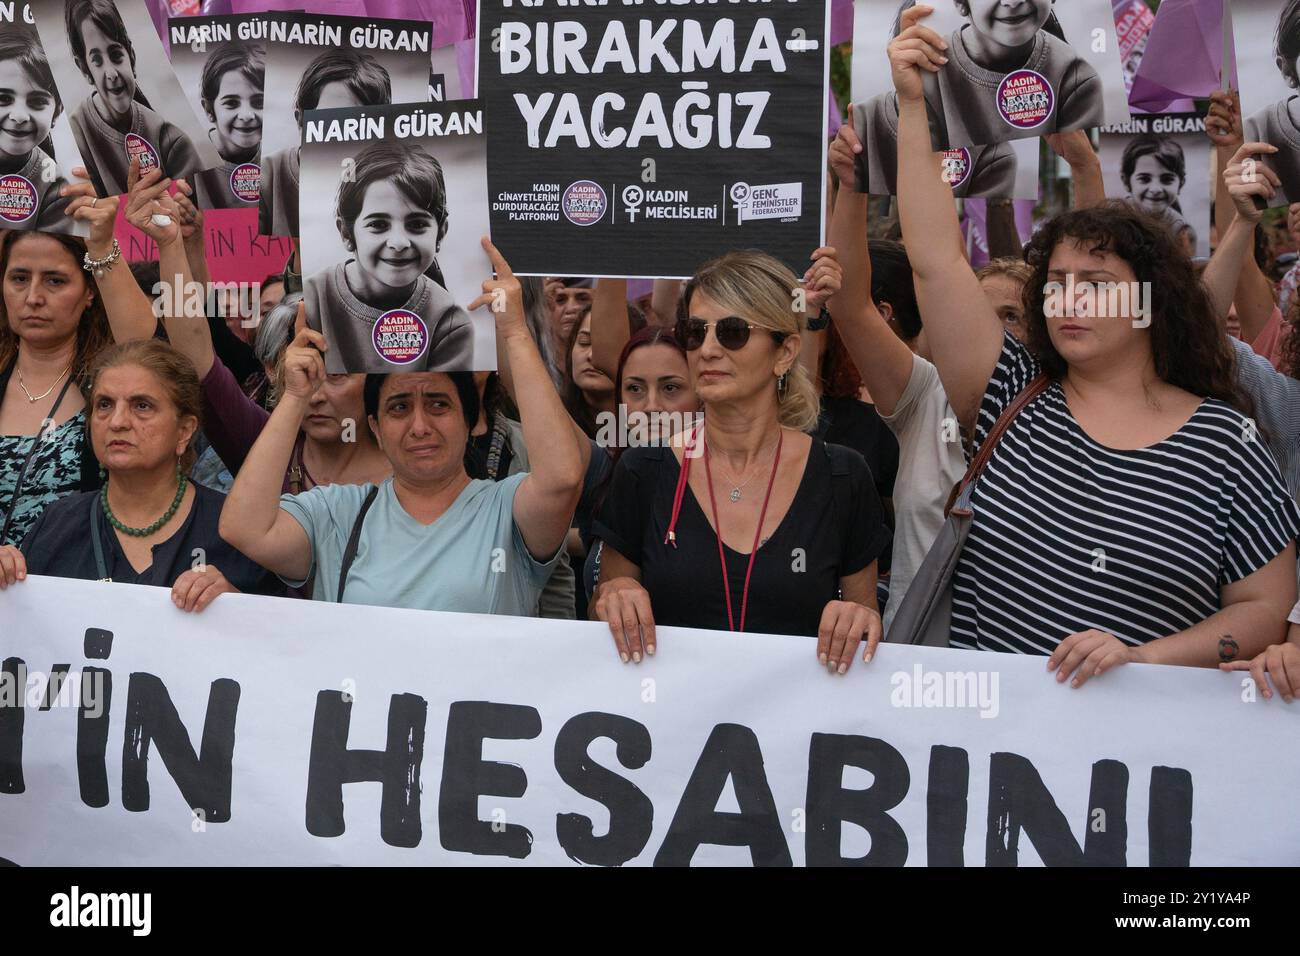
column 27, row 462
column 354, row 540
column 976, row 468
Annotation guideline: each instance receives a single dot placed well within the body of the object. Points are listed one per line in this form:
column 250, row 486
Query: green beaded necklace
column 150, row 529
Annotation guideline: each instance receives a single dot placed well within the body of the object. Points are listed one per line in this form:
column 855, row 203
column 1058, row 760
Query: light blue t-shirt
column 472, row 559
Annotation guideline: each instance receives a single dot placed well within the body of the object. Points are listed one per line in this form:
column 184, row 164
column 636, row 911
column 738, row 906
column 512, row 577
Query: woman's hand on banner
column 916, row 48
column 624, row 605
column 844, row 150
column 191, row 216
column 1087, row 654
column 99, row 211
column 845, row 625
column 13, row 566
column 198, row 587
column 503, row 295
column 1281, row 662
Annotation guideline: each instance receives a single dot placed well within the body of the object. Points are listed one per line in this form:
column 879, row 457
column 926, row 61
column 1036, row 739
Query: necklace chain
column 148, row 529
column 36, row 398
column 737, row 487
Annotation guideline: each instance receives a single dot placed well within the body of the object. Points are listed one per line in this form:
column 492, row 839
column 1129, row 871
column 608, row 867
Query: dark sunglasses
column 732, row 332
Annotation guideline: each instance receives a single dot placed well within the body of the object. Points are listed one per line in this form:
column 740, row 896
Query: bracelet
column 99, row 266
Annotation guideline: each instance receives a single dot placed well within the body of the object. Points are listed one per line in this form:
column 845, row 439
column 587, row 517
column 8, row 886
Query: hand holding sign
column 148, row 207
column 304, row 362
column 1279, row 661
column 843, row 153
column 822, row 280
column 503, row 294
column 1250, row 183
column 1223, row 121
column 916, row 48
column 97, row 210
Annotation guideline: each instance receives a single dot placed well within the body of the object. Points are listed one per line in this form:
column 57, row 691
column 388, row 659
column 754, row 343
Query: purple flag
column 841, row 22
column 1183, row 58
column 975, row 227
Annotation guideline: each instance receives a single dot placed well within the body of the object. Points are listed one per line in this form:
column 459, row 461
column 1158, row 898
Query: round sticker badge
column 400, row 336
column 584, row 203
column 246, row 182
column 137, row 147
column 1025, row 99
column 956, row 166
column 17, row 199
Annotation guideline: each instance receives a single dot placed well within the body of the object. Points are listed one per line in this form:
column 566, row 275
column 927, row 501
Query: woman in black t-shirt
column 746, row 522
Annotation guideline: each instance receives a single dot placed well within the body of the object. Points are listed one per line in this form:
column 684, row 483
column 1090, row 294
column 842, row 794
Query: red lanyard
column 753, row 551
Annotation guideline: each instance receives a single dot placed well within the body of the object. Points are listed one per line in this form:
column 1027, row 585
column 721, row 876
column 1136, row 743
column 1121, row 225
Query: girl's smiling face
column 394, row 240
column 108, row 67
column 237, row 114
column 1007, row 23
column 26, row 111
column 1153, row 186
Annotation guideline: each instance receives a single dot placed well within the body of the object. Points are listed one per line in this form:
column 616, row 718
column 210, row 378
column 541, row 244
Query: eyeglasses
column 732, row 332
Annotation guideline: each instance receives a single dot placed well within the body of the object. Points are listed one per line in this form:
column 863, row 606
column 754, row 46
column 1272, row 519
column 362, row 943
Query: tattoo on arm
column 1228, row 648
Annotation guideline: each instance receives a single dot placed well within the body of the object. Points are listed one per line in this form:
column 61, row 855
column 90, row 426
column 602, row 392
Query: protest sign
column 1006, row 170
column 641, row 140
column 1023, row 70
column 390, row 248
column 1267, row 36
column 37, row 149
column 221, row 64
column 122, row 96
column 1162, row 164
column 328, row 62
column 267, row 731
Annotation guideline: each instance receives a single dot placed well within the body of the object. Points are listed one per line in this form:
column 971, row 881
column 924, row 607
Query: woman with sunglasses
column 748, row 523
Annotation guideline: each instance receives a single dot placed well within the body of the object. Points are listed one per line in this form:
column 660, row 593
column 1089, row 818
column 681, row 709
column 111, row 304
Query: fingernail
column 821, row 658
column 650, row 649
column 843, row 668
column 943, row 59
column 830, row 666
column 624, row 656
column 636, row 657
column 866, row 658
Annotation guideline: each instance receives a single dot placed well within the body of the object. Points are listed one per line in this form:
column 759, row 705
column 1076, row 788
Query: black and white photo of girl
column 998, row 171
column 301, row 76
column 1166, row 175
column 387, row 289
column 1268, row 67
column 1023, row 69
column 224, row 79
column 32, row 170
column 134, row 108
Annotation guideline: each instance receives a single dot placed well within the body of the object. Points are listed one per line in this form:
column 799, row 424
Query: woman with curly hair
column 1128, row 513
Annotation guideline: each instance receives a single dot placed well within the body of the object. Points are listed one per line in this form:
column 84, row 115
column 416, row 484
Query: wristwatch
column 819, row 322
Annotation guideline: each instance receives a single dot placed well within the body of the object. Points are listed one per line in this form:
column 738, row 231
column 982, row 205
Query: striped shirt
column 1070, row 535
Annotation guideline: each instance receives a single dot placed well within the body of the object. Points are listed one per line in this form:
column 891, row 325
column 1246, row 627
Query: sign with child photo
column 221, row 64
column 37, row 148
column 390, row 248
column 641, row 140
column 329, row 62
column 122, row 97
column 1023, row 70
column 1267, row 37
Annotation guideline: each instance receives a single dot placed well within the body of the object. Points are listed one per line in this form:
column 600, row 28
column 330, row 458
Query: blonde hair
column 758, row 287
column 172, row 369
column 1018, row 270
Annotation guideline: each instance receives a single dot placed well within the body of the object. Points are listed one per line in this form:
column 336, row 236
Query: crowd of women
column 1137, row 498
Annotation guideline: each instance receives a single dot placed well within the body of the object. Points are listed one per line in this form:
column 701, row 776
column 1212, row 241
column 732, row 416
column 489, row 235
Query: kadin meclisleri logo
column 584, row 203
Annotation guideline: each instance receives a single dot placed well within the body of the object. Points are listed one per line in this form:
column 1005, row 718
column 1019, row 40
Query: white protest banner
column 289, row 732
